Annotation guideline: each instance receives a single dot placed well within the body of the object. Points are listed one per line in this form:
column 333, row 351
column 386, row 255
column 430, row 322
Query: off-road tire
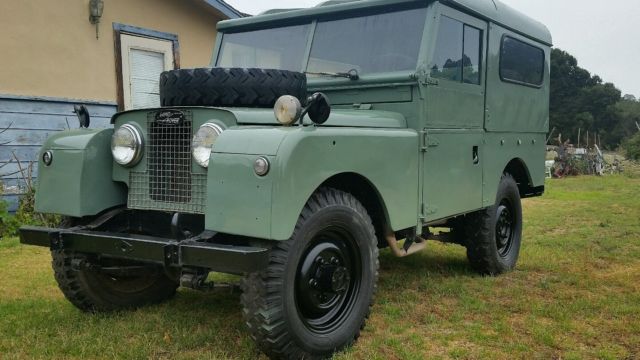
column 93, row 292
column 480, row 228
column 269, row 298
column 229, row 87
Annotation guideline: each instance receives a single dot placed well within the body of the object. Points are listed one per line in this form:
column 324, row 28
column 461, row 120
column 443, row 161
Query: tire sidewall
column 358, row 227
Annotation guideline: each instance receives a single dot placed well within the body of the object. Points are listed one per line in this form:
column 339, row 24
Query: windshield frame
column 331, row 16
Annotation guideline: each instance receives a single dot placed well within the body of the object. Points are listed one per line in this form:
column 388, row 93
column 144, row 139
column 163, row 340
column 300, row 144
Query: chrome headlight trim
column 200, row 151
column 137, row 146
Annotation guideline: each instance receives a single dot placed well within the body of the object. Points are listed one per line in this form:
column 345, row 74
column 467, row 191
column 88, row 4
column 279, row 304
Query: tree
column 631, row 147
column 582, row 101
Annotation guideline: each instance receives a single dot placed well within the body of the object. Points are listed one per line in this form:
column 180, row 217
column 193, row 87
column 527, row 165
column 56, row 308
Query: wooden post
column 579, row 137
column 587, row 139
column 638, row 126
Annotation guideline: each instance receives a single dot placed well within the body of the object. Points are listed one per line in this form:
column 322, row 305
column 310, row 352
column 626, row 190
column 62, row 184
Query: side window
column 458, row 52
column 521, row 63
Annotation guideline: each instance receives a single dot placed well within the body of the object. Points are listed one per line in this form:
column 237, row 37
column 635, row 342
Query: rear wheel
column 494, row 234
column 93, row 284
column 315, row 295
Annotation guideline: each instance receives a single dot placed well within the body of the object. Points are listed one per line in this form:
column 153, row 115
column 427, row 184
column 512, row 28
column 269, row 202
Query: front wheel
column 92, row 290
column 494, row 234
column 316, row 293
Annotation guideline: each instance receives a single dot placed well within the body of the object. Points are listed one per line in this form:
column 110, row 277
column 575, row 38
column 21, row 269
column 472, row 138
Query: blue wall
column 30, row 121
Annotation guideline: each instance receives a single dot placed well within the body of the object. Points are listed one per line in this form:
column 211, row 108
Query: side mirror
column 318, row 108
column 83, row 115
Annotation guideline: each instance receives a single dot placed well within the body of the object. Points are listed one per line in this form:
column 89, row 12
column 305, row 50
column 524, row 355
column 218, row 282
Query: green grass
column 574, row 295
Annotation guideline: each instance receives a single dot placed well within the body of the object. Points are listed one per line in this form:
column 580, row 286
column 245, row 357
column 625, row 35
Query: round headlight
column 287, row 110
column 203, row 142
column 126, row 145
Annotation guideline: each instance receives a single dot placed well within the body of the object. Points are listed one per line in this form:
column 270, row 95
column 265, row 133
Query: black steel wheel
column 505, row 227
column 109, row 288
column 328, row 280
column 315, row 295
column 494, row 234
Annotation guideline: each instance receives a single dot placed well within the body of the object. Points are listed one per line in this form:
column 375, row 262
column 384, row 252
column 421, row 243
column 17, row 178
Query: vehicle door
column 454, row 115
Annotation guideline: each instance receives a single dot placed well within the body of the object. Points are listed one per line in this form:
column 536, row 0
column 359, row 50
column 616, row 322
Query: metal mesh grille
column 168, row 183
column 139, row 190
column 169, row 160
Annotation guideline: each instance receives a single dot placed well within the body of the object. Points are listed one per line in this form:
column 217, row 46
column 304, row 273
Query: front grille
column 168, row 183
column 169, row 160
column 139, row 190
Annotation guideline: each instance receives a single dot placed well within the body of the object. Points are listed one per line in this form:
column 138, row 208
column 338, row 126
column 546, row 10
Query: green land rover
column 317, row 137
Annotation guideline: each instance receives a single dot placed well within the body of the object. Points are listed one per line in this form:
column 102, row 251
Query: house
column 105, row 54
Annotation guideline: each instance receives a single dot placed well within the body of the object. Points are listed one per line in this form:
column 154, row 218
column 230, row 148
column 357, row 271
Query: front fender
column 78, row 182
column 302, row 158
column 388, row 158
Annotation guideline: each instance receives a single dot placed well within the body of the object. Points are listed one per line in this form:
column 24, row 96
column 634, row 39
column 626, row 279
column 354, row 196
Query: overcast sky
column 603, row 36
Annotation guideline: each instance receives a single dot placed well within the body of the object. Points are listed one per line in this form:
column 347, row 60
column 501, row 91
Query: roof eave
column 226, row 9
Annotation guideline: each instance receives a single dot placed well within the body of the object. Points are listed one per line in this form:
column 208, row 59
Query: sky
column 602, row 35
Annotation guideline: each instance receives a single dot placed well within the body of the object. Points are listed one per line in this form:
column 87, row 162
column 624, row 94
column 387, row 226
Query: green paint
column 78, row 181
column 430, row 147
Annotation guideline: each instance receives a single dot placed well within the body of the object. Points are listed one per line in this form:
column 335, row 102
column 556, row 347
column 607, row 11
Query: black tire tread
column 230, row 87
column 76, row 289
column 260, row 295
column 478, row 228
column 479, row 251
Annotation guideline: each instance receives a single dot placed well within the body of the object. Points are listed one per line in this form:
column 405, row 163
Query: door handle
column 476, row 157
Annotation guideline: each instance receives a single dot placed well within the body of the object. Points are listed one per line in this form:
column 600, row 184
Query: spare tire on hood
column 230, row 87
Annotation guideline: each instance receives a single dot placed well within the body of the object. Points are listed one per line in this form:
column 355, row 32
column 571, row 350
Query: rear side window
column 458, row 52
column 521, row 63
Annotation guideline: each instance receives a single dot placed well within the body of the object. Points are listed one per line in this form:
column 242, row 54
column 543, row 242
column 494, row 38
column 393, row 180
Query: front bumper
column 190, row 252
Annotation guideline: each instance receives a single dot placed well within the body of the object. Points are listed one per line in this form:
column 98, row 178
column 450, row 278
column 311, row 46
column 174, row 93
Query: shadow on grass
column 436, row 264
column 193, row 324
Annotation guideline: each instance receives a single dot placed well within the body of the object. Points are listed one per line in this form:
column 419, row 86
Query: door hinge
column 429, row 81
column 428, row 141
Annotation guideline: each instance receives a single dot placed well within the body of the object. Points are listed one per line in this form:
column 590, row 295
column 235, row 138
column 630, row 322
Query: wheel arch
column 520, row 172
column 367, row 193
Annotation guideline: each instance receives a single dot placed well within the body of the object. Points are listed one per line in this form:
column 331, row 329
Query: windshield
column 369, row 44
column 278, row 48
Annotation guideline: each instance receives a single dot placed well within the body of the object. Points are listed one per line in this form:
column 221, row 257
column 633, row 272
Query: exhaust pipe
column 411, row 246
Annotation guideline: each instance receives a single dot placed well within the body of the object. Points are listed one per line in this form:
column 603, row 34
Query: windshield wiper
column 351, row 74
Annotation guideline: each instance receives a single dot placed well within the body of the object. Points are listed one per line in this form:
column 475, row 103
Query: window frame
column 517, row 82
column 481, row 50
column 122, row 29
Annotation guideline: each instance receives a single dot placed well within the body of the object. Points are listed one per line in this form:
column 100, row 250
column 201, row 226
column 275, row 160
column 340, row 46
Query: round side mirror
column 319, row 108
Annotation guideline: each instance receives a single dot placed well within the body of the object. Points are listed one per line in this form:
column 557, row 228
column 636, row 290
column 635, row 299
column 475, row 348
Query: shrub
column 631, row 147
column 8, row 223
column 26, row 214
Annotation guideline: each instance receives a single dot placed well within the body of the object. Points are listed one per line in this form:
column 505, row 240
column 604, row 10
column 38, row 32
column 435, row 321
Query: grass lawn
column 574, row 295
